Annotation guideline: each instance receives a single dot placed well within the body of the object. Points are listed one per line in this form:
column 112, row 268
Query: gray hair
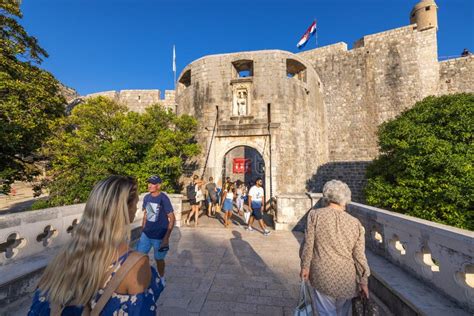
column 337, row 192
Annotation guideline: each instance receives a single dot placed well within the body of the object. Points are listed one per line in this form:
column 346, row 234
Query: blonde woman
column 96, row 272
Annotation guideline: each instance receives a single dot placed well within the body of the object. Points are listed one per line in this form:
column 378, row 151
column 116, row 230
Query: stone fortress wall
column 138, row 100
column 383, row 75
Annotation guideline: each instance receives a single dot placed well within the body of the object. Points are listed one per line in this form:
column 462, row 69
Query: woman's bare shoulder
column 138, row 278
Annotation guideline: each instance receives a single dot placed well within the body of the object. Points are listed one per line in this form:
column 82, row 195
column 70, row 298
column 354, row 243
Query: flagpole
column 316, row 31
column 174, row 67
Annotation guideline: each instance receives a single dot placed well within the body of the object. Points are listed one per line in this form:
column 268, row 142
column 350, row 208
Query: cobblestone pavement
column 213, row 270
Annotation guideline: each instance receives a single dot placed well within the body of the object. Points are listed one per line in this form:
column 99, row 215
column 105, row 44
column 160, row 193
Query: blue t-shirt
column 157, row 210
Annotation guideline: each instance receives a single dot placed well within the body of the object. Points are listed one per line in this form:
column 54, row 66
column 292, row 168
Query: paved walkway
column 20, row 200
column 213, row 270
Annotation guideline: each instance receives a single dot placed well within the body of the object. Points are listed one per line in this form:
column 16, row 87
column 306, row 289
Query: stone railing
column 29, row 240
column 441, row 255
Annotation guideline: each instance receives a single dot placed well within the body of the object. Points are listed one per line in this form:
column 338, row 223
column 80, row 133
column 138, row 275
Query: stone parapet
column 440, row 255
column 291, row 210
column 29, row 240
column 177, row 202
column 30, row 233
column 456, row 75
column 139, row 100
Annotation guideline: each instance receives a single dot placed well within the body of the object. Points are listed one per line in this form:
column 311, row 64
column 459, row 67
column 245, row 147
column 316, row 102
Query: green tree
column 29, row 99
column 100, row 138
column 425, row 168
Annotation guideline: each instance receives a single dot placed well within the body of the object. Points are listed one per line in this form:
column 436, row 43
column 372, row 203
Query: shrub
column 425, row 167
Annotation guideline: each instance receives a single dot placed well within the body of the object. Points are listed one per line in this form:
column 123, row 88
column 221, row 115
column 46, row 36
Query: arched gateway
column 244, row 164
column 244, row 160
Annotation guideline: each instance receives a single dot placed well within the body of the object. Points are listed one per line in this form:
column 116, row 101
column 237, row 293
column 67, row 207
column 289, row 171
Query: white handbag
column 304, row 307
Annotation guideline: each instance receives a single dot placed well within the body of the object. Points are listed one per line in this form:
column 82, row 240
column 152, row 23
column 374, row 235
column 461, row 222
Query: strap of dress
column 130, row 262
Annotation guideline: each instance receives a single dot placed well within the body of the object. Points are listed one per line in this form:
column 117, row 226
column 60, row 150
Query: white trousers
column 328, row 306
column 240, row 203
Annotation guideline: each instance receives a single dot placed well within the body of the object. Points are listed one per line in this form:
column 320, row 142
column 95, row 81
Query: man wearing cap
column 158, row 222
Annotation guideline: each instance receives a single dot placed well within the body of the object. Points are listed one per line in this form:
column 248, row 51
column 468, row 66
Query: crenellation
column 456, row 75
column 138, row 100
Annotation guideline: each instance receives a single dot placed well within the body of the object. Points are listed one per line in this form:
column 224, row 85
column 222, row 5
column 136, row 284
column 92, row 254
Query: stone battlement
column 341, row 47
column 139, row 100
column 456, row 75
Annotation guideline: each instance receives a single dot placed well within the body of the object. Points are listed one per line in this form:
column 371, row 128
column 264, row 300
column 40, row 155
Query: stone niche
column 241, row 96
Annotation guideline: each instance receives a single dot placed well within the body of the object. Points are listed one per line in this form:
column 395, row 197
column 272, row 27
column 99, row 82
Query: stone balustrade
column 29, row 233
column 440, row 255
column 28, row 241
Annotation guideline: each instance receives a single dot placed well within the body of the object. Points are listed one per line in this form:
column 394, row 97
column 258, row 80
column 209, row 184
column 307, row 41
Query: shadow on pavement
column 218, row 271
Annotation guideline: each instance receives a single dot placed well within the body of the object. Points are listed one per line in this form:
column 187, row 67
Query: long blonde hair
column 80, row 268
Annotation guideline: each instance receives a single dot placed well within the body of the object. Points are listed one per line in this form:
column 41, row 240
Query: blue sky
column 98, row 45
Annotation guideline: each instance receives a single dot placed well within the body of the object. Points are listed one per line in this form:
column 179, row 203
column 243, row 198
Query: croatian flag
column 305, row 38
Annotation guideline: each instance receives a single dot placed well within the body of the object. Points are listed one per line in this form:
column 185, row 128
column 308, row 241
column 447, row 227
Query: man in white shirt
column 256, row 203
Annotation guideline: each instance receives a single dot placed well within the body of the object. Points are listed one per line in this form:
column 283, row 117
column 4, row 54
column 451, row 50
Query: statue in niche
column 241, row 101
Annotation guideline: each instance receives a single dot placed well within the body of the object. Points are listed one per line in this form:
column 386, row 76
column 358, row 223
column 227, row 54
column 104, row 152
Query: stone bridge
column 418, row 267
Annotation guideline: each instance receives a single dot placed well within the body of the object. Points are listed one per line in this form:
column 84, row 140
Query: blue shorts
column 257, row 210
column 144, row 246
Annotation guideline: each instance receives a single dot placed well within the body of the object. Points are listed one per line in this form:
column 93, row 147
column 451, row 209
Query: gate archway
column 243, row 163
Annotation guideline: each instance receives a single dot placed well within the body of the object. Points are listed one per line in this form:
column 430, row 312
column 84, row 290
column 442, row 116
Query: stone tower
column 424, row 15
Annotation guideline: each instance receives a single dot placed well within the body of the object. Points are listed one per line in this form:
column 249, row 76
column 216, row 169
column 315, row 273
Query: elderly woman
column 333, row 255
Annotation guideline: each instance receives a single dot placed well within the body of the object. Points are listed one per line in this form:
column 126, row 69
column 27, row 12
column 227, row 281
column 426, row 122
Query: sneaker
column 249, row 228
column 266, row 232
column 163, row 280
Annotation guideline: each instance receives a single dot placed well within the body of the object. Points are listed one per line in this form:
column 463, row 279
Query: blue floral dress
column 119, row 304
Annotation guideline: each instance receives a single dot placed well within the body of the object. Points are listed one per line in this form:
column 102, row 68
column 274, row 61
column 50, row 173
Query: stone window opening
column 12, row 244
column 296, row 70
column 466, row 278
column 185, row 80
column 427, row 8
column 242, row 68
column 48, row 234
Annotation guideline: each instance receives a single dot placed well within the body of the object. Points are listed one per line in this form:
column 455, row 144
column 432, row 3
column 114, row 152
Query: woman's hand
column 364, row 290
column 304, row 274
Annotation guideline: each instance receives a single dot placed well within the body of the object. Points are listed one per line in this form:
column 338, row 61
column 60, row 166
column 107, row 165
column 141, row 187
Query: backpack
column 191, row 191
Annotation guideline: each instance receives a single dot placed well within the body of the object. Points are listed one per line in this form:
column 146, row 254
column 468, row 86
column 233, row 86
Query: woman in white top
column 199, row 194
column 228, row 198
